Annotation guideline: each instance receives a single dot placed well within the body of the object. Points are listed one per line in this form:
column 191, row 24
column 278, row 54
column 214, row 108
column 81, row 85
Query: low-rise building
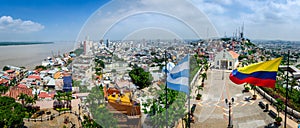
column 225, row 59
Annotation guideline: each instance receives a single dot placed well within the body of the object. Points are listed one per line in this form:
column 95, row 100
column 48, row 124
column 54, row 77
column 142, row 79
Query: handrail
column 290, row 111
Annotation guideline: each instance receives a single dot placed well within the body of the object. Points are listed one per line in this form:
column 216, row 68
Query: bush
column 247, row 88
column 278, row 119
column 62, row 109
column 198, row 96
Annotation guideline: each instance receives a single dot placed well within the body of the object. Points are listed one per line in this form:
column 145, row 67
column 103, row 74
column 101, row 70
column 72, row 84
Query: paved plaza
column 213, row 112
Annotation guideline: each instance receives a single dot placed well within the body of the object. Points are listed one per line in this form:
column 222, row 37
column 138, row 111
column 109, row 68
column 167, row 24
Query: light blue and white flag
column 170, row 66
column 178, row 78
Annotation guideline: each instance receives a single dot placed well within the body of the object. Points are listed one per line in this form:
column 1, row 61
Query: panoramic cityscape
column 142, row 64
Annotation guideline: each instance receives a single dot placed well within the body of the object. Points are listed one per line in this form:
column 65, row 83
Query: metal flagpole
column 166, row 89
column 287, row 90
column 189, row 101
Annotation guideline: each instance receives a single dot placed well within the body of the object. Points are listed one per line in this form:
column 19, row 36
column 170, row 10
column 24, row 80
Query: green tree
column 22, row 97
column 5, row 68
column 58, row 96
column 157, row 112
column 279, row 105
column 140, row 78
column 40, row 67
column 89, row 123
column 11, row 113
column 253, row 87
column 68, row 98
column 76, row 83
column 204, row 77
column 29, row 100
column 99, row 63
column 3, row 89
column 198, row 89
column 78, row 51
column 100, row 113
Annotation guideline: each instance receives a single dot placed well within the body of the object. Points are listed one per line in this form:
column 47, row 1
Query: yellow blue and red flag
column 259, row 74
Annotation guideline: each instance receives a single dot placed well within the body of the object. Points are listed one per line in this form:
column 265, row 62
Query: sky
column 69, row 20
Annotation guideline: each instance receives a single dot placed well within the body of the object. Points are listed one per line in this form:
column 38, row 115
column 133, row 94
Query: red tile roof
column 233, row 54
column 46, row 95
column 3, row 81
column 22, row 86
column 37, row 77
column 15, row 91
column 10, row 71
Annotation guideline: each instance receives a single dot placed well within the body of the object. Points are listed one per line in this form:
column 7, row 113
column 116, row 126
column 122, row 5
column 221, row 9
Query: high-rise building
column 107, row 43
column 84, row 47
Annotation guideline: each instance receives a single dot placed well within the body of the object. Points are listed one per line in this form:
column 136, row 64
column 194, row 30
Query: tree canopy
column 40, row 67
column 101, row 115
column 3, row 89
column 5, row 68
column 140, row 77
column 11, row 113
column 157, row 112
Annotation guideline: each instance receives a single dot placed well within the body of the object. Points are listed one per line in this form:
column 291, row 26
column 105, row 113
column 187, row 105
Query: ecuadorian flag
column 259, row 74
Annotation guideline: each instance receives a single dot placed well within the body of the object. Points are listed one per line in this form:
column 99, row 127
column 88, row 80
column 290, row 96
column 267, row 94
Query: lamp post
column 79, row 109
column 230, row 125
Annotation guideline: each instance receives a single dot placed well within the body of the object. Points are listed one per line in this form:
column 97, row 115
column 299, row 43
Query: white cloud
column 270, row 11
column 212, row 7
column 271, row 19
column 10, row 25
column 264, row 19
column 180, row 13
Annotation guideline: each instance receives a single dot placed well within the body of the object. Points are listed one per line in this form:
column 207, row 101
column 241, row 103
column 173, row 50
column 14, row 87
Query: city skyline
column 63, row 20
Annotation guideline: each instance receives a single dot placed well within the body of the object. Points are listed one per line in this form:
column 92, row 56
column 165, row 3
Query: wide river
column 31, row 55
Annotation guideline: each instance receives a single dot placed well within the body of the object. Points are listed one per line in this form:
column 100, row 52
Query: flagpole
column 287, row 85
column 189, row 101
column 166, row 89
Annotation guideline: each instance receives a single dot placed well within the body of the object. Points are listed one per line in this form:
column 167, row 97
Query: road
column 213, row 112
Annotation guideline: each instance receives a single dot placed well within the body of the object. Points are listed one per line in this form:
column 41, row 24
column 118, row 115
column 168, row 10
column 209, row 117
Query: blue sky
column 55, row 20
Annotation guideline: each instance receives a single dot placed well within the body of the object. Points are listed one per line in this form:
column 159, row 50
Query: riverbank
column 31, row 55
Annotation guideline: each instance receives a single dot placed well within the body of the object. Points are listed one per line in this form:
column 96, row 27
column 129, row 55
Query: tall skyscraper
column 107, row 43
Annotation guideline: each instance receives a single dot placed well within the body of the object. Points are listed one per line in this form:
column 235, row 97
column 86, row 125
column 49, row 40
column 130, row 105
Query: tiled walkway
column 213, row 112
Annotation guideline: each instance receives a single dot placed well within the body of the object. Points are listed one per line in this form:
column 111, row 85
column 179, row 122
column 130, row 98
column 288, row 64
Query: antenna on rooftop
column 242, row 33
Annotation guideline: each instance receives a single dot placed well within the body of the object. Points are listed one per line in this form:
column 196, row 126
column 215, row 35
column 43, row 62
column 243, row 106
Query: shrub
column 198, row 96
column 278, row 119
column 247, row 88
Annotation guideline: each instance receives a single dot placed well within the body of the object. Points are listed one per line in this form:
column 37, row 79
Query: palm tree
column 29, row 100
column 58, row 96
column 198, row 97
column 68, row 98
column 244, row 62
column 205, row 66
column 204, row 77
column 22, row 97
column 279, row 105
column 253, row 87
column 262, row 58
column 198, row 89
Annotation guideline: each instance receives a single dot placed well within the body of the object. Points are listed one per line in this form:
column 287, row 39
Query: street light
column 230, row 125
